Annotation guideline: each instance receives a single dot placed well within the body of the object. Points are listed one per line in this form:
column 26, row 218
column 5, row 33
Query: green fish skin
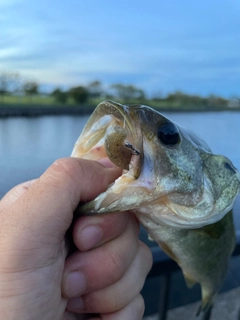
column 203, row 254
column 178, row 189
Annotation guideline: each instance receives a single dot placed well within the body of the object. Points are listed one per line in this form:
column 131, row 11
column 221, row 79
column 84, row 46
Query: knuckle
column 65, row 166
column 139, row 307
column 146, row 256
column 116, row 303
column 117, row 264
column 62, row 173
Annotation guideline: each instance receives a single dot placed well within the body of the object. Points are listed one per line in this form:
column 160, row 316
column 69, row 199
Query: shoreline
column 42, row 110
column 7, row 110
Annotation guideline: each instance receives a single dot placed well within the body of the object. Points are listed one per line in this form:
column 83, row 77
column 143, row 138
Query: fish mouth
column 112, row 131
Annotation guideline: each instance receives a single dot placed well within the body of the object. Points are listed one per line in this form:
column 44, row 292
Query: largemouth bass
column 180, row 192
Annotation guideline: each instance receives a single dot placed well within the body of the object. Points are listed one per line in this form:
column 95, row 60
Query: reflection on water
column 29, row 145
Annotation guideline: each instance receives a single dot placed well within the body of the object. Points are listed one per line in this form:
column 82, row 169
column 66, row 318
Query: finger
column 132, row 311
column 55, row 195
column 92, row 231
column 14, row 194
column 100, row 267
column 106, row 162
column 118, row 295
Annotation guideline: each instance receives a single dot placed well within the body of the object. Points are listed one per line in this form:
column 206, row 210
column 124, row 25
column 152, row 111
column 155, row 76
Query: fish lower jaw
column 159, row 215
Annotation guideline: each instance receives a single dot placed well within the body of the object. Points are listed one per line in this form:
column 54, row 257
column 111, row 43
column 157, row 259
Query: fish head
column 170, row 175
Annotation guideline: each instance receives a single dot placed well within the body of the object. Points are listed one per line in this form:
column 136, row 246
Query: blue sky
column 160, row 46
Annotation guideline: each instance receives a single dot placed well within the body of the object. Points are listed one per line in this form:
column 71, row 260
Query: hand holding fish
column 38, row 281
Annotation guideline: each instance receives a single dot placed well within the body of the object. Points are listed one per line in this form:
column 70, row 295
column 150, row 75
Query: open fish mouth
column 113, row 131
column 116, row 132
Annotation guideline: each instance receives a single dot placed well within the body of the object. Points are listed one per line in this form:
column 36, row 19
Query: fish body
column 180, row 192
column 203, row 254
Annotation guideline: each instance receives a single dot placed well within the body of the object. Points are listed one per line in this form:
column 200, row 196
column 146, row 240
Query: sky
column 159, row 46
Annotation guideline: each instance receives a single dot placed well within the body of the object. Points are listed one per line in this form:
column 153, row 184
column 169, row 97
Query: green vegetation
column 59, row 96
column 15, row 92
column 27, row 100
column 79, row 94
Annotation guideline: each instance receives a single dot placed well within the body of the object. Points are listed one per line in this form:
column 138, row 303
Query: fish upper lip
column 121, row 113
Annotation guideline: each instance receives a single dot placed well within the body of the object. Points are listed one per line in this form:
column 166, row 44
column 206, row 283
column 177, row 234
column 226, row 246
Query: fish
column 177, row 188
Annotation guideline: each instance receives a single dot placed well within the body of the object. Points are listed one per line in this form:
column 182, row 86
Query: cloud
column 165, row 46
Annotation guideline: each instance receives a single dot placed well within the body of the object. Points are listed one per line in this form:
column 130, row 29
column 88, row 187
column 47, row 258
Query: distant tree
column 234, row 102
column 30, row 88
column 158, row 96
column 9, row 83
column 79, row 94
column 3, row 86
column 59, row 95
column 176, row 96
column 109, row 96
column 192, row 101
column 95, row 89
column 128, row 92
column 217, row 102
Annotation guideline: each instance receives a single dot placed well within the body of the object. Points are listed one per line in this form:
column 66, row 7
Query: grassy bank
column 46, row 105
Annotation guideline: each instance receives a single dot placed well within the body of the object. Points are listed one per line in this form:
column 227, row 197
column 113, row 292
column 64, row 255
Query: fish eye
column 168, row 133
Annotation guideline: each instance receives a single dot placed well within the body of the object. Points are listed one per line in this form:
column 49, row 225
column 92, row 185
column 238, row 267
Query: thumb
column 14, row 194
column 47, row 206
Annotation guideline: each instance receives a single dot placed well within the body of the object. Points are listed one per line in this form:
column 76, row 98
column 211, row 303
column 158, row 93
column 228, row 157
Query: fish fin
column 207, row 299
column 150, row 238
column 168, row 251
column 189, row 281
column 203, row 308
column 212, row 231
column 217, row 229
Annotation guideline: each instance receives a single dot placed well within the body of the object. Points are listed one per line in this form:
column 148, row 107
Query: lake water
column 29, row 145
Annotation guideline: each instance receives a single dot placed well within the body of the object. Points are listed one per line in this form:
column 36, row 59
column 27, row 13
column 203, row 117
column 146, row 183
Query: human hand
column 103, row 276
